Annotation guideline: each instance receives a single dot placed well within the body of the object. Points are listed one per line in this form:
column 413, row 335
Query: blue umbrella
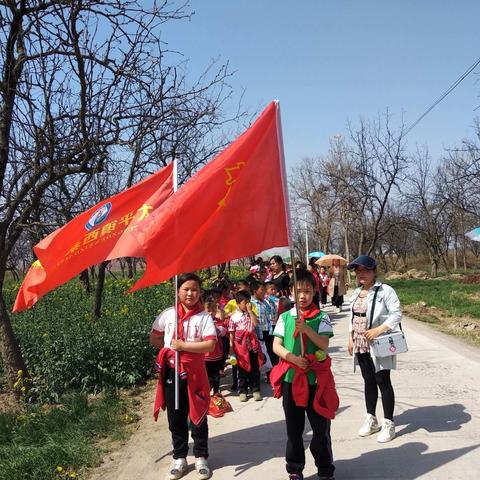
column 316, row 254
column 474, row 234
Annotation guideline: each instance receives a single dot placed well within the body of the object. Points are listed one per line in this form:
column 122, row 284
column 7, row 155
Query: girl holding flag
column 196, row 336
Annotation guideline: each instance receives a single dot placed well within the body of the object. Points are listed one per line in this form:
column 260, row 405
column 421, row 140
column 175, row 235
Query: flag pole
column 295, row 293
column 177, row 354
column 306, row 239
column 287, row 215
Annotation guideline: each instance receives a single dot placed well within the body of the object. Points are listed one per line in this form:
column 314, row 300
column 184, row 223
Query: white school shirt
column 197, row 328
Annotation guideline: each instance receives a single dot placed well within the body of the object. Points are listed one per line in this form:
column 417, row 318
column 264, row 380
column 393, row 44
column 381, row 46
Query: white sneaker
column 388, row 431
column 339, row 309
column 369, row 426
column 177, row 469
column 202, row 468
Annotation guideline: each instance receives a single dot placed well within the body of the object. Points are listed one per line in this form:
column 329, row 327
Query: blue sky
column 329, row 62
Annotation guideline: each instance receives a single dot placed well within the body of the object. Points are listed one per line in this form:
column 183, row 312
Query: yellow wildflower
column 19, row 373
column 59, row 469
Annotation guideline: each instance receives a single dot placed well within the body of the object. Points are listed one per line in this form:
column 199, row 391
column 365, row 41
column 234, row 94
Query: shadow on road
column 443, row 418
column 333, row 349
column 407, row 461
column 249, row 447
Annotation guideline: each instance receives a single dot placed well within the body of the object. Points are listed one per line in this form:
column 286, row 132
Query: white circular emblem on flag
column 99, row 216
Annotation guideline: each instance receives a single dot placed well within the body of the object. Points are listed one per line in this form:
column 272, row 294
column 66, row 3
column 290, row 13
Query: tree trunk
column 434, row 266
column 122, row 266
column 455, row 252
column 361, row 241
column 130, row 267
column 85, row 279
column 347, row 250
column 383, row 259
column 444, row 259
column 464, row 246
column 97, row 307
column 221, row 269
column 12, row 358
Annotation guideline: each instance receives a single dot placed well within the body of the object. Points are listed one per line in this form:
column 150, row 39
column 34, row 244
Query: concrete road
column 437, row 417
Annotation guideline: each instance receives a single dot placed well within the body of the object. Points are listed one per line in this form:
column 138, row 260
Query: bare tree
column 379, row 162
column 313, row 195
column 83, row 83
column 428, row 213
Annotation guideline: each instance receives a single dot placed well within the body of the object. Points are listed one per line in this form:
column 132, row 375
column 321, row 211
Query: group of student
column 244, row 315
column 330, row 281
column 253, row 323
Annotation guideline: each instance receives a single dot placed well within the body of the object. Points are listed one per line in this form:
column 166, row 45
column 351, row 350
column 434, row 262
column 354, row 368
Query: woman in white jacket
column 363, row 329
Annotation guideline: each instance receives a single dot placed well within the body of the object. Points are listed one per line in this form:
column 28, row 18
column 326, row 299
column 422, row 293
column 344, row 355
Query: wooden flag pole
column 295, row 294
column 307, row 258
column 287, row 214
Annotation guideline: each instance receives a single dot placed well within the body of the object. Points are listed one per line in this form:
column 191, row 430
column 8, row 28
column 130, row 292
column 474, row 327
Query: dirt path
column 437, row 416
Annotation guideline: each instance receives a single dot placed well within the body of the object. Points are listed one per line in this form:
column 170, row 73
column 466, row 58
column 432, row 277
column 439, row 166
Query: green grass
column 449, row 295
column 69, row 356
column 66, row 350
column 454, row 302
column 34, row 443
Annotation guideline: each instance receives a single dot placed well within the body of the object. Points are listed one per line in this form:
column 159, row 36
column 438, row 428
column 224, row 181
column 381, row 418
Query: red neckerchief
column 183, row 314
column 311, row 312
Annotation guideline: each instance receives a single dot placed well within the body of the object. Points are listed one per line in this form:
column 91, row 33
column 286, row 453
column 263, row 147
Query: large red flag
column 235, row 206
column 103, row 232
column 34, row 281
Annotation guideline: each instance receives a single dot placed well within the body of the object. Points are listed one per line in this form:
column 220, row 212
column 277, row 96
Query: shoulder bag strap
column 373, row 306
column 373, row 309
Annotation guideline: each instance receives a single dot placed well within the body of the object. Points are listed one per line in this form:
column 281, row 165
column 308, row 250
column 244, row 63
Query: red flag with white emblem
column 103, row 232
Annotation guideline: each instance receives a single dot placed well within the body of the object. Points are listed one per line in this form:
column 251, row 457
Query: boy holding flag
column 305, row 381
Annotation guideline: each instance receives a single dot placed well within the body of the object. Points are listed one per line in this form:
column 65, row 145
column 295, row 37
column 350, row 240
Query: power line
column 439, row 99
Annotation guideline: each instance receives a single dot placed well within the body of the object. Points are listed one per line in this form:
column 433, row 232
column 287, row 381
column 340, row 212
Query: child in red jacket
column 244, row 343
column 214, row 361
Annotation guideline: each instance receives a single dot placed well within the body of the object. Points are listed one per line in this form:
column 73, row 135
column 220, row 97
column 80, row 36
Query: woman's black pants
column 374, row 381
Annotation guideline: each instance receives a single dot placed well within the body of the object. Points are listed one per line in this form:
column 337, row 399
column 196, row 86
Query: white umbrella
column 284, row 252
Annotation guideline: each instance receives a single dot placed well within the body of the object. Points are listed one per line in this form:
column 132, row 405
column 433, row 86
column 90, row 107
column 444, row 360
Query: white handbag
column 387, row 344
